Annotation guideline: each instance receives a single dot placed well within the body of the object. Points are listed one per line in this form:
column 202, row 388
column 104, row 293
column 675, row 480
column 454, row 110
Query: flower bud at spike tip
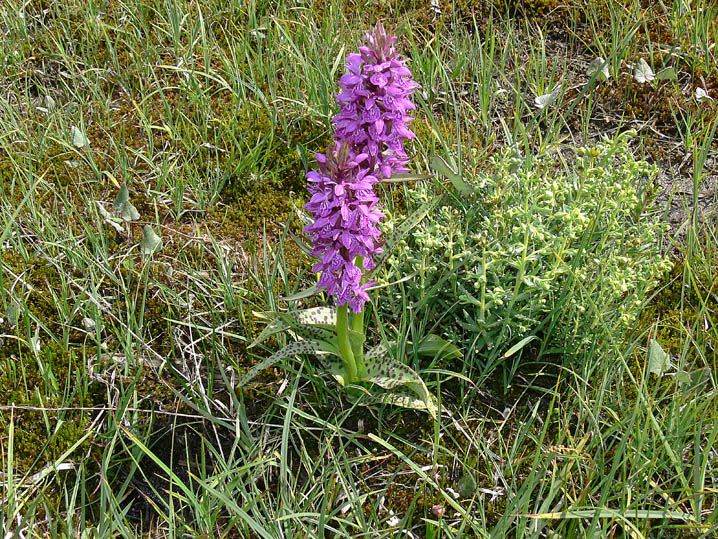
column 374, row 104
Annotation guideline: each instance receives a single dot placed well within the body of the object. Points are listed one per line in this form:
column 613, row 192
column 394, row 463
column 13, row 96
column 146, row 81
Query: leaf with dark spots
column 321, row 316
column 406, row 397
column 300, row 347
column 334, row 366
column 391, row 374
column 378, row 352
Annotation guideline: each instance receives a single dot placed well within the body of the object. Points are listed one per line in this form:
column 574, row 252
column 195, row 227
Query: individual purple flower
column 374, row 104
column 345, row 218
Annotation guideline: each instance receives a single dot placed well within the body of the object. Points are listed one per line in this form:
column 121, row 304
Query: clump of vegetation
column 538, row 250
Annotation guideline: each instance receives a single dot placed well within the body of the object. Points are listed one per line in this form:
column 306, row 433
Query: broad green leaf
column 702, row 95
column 417, row 398
column 334, row 366
column 695, row 379
column 110, row 219
column 326, row 316
column 88, row 324
column 519, row 345
column 306, row 293
column 430, row 346
column 389, row 373
column 151, row 242
column 315, row 333
column 466, row 486
column 600, row 66
column 441, row 167
column 12, row 314
column 123, row 205
column 356, row 338
column 300, row 322
column 435, row 347
column 123, row 196
column 393, row 239
column 642, row 72
column 378, row 352
column 658, row 360
column 275, row 326
column 292, row 349
column 666, row 74
column 78, row 138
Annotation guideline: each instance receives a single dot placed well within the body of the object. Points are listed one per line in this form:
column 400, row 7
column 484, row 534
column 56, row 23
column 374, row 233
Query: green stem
column 345, row 347
column 358, row 326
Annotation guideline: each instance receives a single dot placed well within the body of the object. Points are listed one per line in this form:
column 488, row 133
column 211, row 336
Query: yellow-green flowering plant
column 367, row 149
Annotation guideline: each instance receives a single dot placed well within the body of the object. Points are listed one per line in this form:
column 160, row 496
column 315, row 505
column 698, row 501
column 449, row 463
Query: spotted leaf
column 378, row 352
column 313, row 333
column 292, row 349
column 334, row 366
column 388, row 372
column 301, row 322
column 391, row 374
column 406, row 397
column 414, row 396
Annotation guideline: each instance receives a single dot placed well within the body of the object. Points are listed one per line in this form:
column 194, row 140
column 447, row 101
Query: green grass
column 119, row 411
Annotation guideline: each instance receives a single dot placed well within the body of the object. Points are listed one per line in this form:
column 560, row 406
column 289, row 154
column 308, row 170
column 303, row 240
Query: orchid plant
column 368, row 148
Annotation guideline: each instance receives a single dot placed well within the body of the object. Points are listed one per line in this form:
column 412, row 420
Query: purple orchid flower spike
column 368, row 147
column 369, row 137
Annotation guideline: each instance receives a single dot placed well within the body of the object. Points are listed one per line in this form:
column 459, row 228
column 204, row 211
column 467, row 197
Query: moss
column 264, row 195
column 421, row 13
column 39, row 382
column 253, row 207
column 37, row 277
column 54, row 377
column 276, row 150
column 533, row 9
column 671, row 319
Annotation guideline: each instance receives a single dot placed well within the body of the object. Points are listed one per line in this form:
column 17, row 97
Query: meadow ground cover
column 153, row 162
